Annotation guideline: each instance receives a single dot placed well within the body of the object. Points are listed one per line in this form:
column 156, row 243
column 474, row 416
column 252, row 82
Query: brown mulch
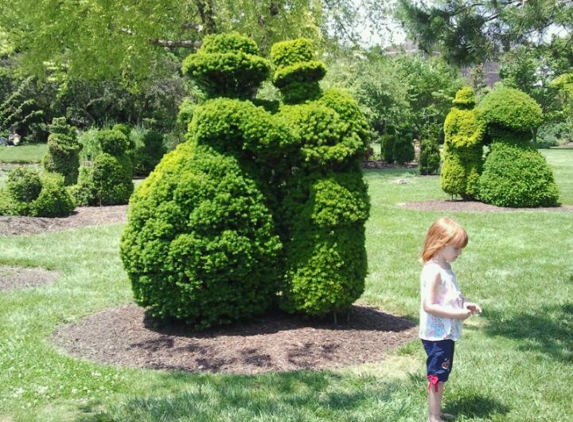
column 126, row 336
column 82, row 217
column 22, row 277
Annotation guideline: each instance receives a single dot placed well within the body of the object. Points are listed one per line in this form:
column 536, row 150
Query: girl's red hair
column 443, row 232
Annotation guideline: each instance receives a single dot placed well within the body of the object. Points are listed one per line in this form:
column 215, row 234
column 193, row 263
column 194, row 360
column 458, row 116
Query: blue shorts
column 440, row 358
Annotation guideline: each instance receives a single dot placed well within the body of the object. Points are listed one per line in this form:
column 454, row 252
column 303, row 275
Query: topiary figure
column 63, row 154
column 201, row 245
column 28, row 193
column 325, row 202
column 515, row 174
column 463, row 147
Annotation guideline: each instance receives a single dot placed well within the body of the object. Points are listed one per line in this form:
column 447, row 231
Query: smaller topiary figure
column 30, row 194
column 463, row 147
column 63, row 154
column 515, row 174
column 325, row 202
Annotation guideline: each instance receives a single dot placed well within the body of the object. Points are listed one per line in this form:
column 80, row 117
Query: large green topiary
column 515, row 174
column 63, row 154
column 254, row 207
column 463, row 147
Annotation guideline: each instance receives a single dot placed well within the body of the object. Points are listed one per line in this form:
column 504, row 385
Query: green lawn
column 28, row 153
column 514, row 363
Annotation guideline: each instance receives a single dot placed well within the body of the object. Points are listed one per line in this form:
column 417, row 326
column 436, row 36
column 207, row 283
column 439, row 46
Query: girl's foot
column 447, row 416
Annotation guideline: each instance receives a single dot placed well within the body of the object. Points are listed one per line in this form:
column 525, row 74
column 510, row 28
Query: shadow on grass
column 295, row 396
column 476, row 406
column 547, row 330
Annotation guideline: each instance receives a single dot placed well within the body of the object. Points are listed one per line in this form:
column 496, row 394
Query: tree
column 120, row 39
column 467, row 32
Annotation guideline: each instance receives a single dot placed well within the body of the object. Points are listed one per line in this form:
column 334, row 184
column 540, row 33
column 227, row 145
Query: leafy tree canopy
column 119, row 39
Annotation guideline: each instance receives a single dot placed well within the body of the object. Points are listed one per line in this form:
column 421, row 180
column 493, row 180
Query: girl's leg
column 435, row 394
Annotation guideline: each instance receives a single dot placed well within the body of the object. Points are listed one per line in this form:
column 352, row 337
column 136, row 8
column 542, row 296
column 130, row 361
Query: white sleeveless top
column 435, row 328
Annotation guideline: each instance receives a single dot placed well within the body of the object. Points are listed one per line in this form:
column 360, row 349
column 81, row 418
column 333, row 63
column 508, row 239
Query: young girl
column 443, row 307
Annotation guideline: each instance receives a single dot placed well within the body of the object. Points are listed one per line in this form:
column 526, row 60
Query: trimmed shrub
column 296, row 76
column 403, row 150
column 84, row 192
column 63, row 154
column 28, row 193
column 112, row 179
column 508, row 112
column 200, row 244
column 113, row 142
column 24, row 184
column 387, row 147
column 429, row 157
column 515, row 176
column 463, row 147
column 254, row 207
column 54, row 199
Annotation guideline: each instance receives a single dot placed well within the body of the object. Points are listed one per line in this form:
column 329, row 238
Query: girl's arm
column 430, row 304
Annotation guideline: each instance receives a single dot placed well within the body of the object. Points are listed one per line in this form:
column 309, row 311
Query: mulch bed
column 126, row 336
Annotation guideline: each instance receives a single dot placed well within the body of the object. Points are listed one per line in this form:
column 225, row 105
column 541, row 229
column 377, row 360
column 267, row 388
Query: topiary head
column 465, row 98
column 510, row 114
column 297, row 74
column 227, row 65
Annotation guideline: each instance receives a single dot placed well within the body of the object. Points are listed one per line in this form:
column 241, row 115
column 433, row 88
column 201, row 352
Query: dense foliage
column 515, row 174
column 463, row 147
column 63, row 154
column 255, row 207
column 28, row 193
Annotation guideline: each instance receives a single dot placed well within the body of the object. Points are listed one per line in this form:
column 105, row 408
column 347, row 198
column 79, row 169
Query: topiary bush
column 463, row 147
column 112, row 179
column 515, row 176
column 227, row 66
column 28, row 193
column 254, row 207
column 54, row 199
column 429, row 160
column 429, row 157
column 325, row 203
column 63, row 154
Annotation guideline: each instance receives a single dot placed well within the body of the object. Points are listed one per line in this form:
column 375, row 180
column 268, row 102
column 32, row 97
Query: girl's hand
column 473, row 307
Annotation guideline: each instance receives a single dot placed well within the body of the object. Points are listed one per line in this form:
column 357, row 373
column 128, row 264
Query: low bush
column 29, row 193
column 429, row 157
column 514, row 176
column 112, row 179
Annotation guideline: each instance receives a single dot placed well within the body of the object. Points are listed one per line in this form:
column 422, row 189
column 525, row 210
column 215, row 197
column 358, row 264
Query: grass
column 31, row 153
column 514, row 363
